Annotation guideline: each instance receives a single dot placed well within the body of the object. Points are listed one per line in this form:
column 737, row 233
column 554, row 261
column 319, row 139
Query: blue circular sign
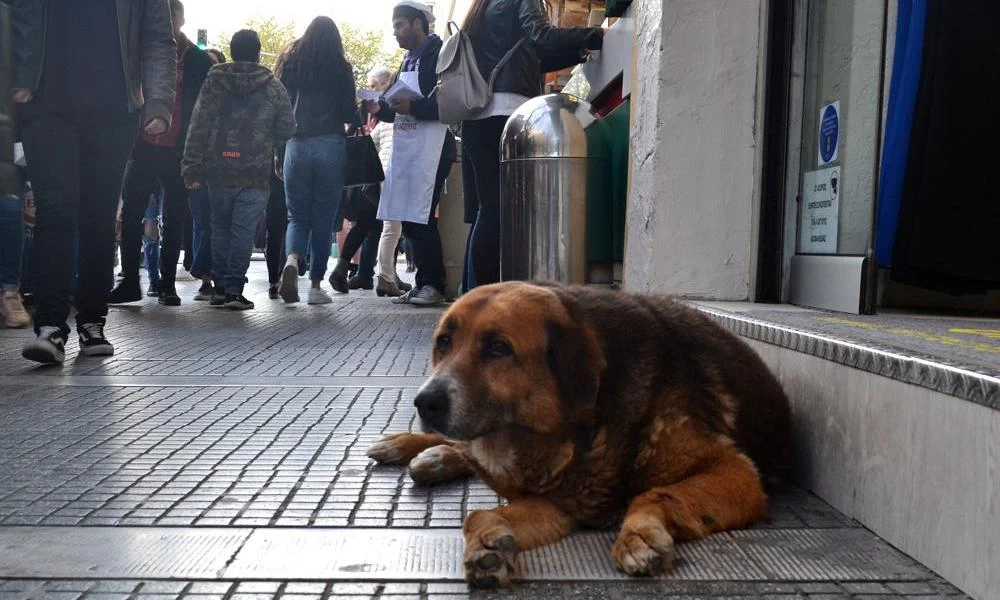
column 829, row 132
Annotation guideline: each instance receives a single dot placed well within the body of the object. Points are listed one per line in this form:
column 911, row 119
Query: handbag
column 363, row 166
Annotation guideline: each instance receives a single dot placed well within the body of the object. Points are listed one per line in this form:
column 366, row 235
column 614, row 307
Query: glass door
column 841, row 117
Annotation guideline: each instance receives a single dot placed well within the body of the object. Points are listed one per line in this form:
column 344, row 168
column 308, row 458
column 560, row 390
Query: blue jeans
column 314, row 182
column 11, row 241
column 235, row 213
column 150, row 246
column 201, row 231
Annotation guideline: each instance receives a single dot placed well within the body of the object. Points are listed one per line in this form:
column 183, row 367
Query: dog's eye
column 498, row 349
column 443, row 344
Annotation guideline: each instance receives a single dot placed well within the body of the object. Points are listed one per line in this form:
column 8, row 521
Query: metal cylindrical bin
column 544, row 164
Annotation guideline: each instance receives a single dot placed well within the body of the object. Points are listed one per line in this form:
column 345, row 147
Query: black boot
column 338, row 279
column 127, row 290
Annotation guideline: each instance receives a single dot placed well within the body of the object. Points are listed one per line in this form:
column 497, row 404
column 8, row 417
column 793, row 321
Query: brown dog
column 584, row 407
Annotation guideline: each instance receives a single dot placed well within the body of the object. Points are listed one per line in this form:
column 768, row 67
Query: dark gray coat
column 149, row 53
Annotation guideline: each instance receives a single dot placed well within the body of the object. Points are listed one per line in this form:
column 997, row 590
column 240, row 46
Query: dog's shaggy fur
column 586, row 408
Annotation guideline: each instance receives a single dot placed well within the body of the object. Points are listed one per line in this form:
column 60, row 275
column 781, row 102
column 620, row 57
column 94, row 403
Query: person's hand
column 402, row 107
column 158, row 126
column 22, row 95
column 194, row 185
column 372, row 107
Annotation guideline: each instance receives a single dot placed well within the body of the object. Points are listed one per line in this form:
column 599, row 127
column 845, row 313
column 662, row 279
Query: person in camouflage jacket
column 243, row 112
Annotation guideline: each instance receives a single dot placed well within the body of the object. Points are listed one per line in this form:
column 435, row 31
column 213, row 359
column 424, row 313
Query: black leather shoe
column 168, row 296
column 127, row 290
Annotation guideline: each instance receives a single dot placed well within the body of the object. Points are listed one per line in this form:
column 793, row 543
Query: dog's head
column 513, row 356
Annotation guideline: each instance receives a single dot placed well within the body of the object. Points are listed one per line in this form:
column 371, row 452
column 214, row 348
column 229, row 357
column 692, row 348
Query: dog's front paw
column 644, row 547
column 489, row 557
column 390, row 450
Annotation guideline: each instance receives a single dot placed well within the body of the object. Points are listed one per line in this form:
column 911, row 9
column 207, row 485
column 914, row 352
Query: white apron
column 408, row 189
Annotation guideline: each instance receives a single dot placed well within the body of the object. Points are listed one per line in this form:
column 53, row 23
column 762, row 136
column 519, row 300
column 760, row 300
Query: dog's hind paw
column 644, row 547
column 390, row 450
column 489, row 559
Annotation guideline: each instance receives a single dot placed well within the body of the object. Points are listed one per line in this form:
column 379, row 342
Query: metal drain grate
column 96, row 552
column 429, row 555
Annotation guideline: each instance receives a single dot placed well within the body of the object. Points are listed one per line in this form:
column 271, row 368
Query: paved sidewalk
column 220, row 454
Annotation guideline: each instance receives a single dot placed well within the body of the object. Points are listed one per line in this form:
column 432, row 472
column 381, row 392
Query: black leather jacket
column 149, row 53
column 547, row 48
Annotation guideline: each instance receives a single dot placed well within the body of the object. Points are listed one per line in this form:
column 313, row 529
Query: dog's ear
column 575, row 357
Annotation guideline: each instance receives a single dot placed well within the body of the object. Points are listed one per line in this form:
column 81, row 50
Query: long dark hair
column 477, row 14
column 316, row 60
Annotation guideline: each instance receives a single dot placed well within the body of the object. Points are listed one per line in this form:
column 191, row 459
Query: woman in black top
column 320, row 83
column 495, row 26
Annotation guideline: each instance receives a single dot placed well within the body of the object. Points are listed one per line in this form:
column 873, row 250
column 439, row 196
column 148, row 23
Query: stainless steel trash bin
column 543, row 191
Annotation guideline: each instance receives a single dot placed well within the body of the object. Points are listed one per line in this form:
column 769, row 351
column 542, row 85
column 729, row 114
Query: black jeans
column 426, row 239
column 481, row 160
column 276, row 220
column 76, row 165
column 365, row 232
column 148, row 164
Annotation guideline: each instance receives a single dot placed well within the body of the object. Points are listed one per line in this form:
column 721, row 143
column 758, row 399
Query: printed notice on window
column 819, row 211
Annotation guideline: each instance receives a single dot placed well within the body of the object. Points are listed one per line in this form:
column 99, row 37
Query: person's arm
column 205, row 116
column 426, row 108
column 284, row 116
column 560, row 61
column 350, row 103
column 554, row 40
column 25, row 47
column 159, row 63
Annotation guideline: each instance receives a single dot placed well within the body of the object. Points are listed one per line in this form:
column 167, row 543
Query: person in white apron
column 423, row 151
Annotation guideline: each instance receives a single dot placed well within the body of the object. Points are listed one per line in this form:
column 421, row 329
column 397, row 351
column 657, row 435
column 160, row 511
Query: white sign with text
column 820, row 211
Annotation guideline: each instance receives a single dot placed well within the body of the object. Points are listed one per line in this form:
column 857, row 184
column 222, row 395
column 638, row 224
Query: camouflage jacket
column 242, row 113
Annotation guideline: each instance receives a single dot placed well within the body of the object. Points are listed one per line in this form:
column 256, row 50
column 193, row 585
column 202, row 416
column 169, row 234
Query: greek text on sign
column 829, row 133
column 819, row 211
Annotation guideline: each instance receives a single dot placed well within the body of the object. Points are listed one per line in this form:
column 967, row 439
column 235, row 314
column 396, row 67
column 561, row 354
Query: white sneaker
column 288, row 287
column 13, row 311
column 427, row 296
column 318, row 297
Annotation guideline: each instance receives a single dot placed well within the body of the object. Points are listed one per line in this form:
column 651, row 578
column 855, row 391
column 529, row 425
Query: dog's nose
column 432, row 404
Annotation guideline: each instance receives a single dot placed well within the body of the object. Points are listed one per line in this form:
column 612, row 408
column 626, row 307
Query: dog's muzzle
column 433, row 404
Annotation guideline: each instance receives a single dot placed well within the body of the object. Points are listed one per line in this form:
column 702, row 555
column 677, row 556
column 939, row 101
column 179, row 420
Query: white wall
column 693, row 145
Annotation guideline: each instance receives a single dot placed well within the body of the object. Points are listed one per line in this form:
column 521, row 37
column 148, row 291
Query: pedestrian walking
column 200, row 208
column 242, row 114
column 158, row 157
column 423, row 150
column 495, row 27
column 86, row 76
column 320, row 83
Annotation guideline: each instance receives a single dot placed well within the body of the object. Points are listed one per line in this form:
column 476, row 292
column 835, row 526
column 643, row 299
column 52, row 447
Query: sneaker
column 168, row 296
column 319, row 297
column 427, row 296
column 127, row 290
column 48, row 347
column 272, row 291
column 288, row 287
column 92, row 340
column 218, row 299
column 237, row 302
column 405, row 298
column 360, row 283
column 13, row 311
column 152, row 291
column 205, row 293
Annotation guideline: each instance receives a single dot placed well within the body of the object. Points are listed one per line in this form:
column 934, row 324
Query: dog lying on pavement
column 588, row 408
